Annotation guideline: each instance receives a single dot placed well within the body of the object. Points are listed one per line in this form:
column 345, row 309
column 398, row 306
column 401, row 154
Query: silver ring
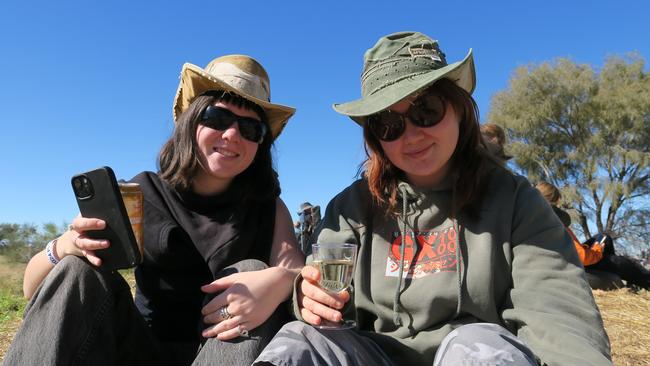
column 223, row 312
column 242, row 332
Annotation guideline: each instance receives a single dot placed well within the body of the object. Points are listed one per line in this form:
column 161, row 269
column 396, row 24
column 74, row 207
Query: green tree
column 587, row 131
column 19, row 242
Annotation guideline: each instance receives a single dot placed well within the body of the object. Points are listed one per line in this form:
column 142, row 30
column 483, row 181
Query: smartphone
column 98, row 196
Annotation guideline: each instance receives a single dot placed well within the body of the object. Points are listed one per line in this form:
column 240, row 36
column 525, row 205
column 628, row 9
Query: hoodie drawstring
column 396, row 318
column 459, row 263
column 459, row 268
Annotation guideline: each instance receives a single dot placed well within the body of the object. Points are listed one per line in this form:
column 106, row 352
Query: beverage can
column 133, row 202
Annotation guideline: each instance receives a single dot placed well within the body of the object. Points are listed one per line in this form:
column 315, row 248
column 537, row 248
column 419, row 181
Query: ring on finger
column 243, row 332
column 223, row 312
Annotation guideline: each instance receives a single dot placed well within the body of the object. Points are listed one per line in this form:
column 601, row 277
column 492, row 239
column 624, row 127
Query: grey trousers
column 478, row 344
column 83, row 316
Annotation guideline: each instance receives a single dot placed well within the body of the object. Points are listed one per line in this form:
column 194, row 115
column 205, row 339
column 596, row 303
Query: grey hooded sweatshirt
column 514, row 266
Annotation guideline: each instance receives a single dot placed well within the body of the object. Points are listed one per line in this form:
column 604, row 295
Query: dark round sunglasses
column 221, row 119
column 426, row 111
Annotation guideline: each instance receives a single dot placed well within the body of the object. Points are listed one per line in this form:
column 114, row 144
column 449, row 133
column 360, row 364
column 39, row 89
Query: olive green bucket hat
column 238, row 74
column 399, row 65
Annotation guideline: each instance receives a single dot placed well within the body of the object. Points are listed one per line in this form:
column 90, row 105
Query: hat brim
column 195, row 81
column 462, row 73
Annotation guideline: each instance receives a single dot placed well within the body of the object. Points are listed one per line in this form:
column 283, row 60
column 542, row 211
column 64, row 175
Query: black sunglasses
column 221, row 119
column 426, row 111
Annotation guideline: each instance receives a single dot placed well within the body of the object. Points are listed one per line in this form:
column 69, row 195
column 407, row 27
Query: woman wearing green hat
column 459, row 261
column 220, row 255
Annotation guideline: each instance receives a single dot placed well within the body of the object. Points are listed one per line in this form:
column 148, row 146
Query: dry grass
column 626, row 315
column 7, row 331
column 12, row 302
column 627, row 320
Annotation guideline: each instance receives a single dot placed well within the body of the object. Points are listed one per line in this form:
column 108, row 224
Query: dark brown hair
column 495, row 139
column 550, row 192
column 178, row 160
column 491, row 131
column 468, row 162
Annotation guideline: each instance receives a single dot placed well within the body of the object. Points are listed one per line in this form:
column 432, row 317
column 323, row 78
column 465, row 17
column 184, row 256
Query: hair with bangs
column 178, row 160
column 469, row 160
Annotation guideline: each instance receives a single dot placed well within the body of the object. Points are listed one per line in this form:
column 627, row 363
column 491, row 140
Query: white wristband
column 50, row 251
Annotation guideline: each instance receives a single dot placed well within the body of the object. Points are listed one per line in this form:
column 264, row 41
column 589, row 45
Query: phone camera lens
column 82, row 187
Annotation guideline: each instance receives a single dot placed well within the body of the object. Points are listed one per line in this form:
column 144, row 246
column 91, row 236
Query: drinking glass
column 335, row 261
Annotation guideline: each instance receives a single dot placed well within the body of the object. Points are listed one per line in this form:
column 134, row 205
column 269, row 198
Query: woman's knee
column 73, row 264
column 479, row 330
column 296, row 327
column 246, row 265
column 486, row 342
column 76, row 272
column 72, row 269
column 74, row 281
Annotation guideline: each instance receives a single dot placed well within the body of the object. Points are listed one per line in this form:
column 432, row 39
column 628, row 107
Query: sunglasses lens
column 221, row 119
column 252, row 130
column 217, row 118
column 386, row 126
column 428, row 111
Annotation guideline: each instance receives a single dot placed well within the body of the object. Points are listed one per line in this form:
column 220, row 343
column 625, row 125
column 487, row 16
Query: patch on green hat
column 399, row 65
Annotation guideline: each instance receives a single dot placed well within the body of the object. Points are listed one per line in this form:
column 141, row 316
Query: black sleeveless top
column 188, row 239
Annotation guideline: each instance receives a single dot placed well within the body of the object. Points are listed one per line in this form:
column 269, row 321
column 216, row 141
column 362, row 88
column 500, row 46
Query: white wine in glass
column 335, row 262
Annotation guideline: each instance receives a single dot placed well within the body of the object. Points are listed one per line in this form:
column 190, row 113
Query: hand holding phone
column 98, row 196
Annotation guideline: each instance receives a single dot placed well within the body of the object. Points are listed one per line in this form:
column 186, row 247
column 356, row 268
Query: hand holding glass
column 336, row 265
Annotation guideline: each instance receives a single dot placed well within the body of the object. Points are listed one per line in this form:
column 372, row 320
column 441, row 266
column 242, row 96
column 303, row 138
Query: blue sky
column 91, row 83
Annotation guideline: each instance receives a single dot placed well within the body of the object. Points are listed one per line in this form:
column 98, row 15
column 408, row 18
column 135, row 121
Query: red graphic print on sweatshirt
column 434, row 252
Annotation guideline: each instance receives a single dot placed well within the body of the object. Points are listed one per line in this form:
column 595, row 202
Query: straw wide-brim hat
column 401, row 64
column 238, row 74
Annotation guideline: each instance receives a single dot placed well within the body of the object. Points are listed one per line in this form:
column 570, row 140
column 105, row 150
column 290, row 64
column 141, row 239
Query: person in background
column 604, row 269
column 495, row 140
column 219, row 251
column 309, row 217
column 589, row 254
column 459, row 260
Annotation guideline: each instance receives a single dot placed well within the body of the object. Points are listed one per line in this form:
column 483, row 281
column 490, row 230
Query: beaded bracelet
column 50, row 250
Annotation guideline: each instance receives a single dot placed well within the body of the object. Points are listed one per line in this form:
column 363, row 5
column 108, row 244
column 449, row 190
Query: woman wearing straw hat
column 460, row 262
column 220, row 255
